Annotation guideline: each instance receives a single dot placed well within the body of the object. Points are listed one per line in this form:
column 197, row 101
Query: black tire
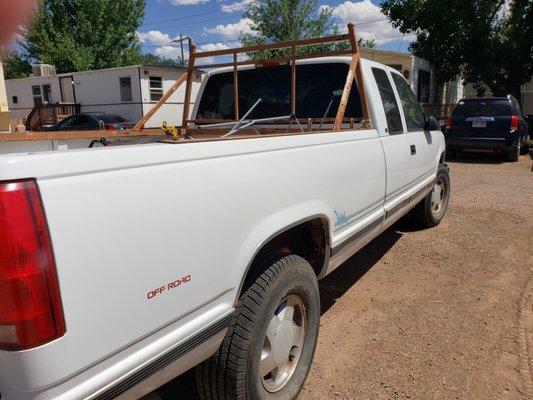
column 514, row 154
column 525, row 146
column 234, row 371
column 424, row 212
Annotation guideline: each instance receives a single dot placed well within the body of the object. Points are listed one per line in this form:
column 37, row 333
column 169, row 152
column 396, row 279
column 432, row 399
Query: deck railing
column 50, row 114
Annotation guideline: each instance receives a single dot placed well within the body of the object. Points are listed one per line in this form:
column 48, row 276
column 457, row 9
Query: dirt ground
column 444, row 313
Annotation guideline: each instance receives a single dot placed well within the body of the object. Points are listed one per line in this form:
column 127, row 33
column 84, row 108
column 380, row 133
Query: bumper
column 501, row 144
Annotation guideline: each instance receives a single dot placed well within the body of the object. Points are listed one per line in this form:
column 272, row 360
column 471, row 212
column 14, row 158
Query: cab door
column 393, row 139
column 423, row 145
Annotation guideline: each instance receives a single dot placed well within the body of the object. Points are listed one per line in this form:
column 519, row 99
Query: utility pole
column 181, row 44
column 181, row 40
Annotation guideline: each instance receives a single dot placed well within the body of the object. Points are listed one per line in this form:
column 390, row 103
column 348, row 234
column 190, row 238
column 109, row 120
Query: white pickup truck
column 123, row 267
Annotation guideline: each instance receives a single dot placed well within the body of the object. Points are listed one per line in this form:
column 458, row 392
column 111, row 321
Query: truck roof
column 321, row 60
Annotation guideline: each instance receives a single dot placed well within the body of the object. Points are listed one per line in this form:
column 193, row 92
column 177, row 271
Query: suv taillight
column 30, row 304
column 514, row 122
column 448, row 123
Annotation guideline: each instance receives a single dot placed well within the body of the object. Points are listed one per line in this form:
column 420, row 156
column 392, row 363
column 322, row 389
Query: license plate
column 479, row 124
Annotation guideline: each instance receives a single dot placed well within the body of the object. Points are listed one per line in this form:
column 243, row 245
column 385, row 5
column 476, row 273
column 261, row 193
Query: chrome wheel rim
column 437, row 196
column 283, row 343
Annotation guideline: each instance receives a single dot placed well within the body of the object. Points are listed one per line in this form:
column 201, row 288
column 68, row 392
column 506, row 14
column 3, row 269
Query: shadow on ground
column 332, row 288
column 477, row 158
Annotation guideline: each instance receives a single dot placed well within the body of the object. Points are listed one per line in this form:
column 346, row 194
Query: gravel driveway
column 444, row 313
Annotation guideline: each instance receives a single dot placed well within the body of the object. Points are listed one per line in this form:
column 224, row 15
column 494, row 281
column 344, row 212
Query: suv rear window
column 315, row 84
column 482, row 108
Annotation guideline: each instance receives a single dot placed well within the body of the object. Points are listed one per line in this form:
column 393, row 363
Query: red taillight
column 110, row 127
column 30, row 305
column 514, row 122
column 448, row 124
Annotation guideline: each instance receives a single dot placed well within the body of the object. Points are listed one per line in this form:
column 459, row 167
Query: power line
column 237, row 39
column 235, row 6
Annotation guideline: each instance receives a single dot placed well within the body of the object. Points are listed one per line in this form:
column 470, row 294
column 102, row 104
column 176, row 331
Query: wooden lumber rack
column 204, row 132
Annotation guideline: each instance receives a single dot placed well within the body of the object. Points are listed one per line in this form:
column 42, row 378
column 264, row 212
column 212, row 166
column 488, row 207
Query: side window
column 414, row 116
column 390, row 105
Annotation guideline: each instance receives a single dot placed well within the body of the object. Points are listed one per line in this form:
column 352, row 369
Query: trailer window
column 47, row 93
column 315, row 87
column 156, row 88
column 390, row 104
column 125, row 89
column 37, row 99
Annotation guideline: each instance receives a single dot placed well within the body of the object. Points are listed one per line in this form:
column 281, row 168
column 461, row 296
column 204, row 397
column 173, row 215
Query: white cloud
column 213, row 46
column 231, row 31
column 363, row 14
column 186, row 2
column 168, row 52
column 157, row 38
column 237, row 6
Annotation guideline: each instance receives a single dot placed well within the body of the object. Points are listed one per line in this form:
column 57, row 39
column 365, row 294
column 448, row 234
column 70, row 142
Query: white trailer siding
column 99, row 91
column 172, row 110
column 20, row 95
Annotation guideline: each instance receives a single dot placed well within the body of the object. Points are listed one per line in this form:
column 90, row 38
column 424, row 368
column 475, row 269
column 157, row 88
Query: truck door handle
column 413, row 149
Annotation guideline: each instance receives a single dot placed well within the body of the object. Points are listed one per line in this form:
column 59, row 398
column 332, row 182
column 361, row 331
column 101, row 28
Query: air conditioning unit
column 43, row 69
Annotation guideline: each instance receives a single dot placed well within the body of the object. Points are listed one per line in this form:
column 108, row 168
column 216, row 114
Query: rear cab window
column 483, row 108
column 316, row 86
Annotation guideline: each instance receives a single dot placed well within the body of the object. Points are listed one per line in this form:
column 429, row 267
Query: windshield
column 482, row 108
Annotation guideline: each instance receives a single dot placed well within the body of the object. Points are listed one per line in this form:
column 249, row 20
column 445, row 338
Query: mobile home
column 128, row 91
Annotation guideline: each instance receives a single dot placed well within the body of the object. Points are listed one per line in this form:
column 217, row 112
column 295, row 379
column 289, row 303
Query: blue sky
column 216, row 24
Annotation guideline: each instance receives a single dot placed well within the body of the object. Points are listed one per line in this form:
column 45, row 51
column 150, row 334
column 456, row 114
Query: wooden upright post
column 293, row 80
column 235, row 87
column 359, row 75
column 355, row 71
column 346, row 93
column 188, row 87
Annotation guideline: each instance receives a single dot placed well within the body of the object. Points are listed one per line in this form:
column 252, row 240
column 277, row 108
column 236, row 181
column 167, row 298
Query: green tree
column 284, row 20
column 77, row 35
column 152, row 59
column 15, row 66
column 475, row 39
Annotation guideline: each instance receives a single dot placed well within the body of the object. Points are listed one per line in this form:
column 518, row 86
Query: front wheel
column 269, row 346
column 430, row 211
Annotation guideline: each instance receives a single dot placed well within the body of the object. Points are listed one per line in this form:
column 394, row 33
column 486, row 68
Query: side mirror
column 431, row 124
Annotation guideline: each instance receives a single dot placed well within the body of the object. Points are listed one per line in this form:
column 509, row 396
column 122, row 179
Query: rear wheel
column 269, row 346
column 525, row 146
column 514, row 154
column 430, row 211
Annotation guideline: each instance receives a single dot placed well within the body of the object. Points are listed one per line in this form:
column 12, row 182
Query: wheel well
column 442, row 157
column 308, row 239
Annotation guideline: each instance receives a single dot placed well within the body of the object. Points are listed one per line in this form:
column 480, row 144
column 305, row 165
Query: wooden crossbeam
column 69, row 135
column 162, row 100
column 273, row 46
